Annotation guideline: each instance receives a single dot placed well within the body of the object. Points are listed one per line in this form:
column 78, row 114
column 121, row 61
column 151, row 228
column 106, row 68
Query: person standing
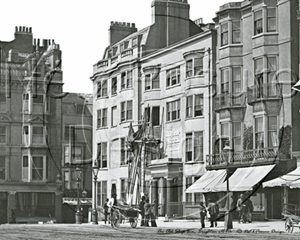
column 202, row 214
column 147, row 209
column 213, row 209
column 152, row 214
column 105, row 210
column 112, row 202
column 241, row 207
column 249, row 210
column 141, row 207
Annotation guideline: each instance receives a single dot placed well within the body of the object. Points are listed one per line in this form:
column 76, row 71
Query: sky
column 81, row 28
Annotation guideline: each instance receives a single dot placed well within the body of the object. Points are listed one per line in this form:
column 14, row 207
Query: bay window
column 272, row 132
column 102, row 88
column 224, row 34
column 194, row 146
column 126, row 80
column 258, row 22
column 34, row 168
column 114, row 86
column 271, row 19
column 2, row 134
column 236, row 32
column 259, row 133
column 194, row 106
column 173, row 76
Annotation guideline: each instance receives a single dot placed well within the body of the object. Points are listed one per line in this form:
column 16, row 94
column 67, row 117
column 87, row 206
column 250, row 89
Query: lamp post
column 78, row 216
column 228, row 218
column 95, row 171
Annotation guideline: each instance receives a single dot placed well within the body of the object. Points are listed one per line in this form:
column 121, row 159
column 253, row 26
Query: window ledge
column 127, row 121
column 192, row 118
column 195, row 76
column 264, row 33
column 194, row 162
column 172, row 121
column 126, row 89
column 99, row 98
column 124, row 165
column 114, row 95
column 231, row 45
column 103, row 169
column 101, row 128
column 114, row 126
column 173, row 86
column 152, row 90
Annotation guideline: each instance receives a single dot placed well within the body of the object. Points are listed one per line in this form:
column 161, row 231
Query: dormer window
column 114, row 51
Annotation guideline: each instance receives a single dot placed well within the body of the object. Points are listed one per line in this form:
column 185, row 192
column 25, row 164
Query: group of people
column 243, row 206
column 146, row 208
column 147, row 212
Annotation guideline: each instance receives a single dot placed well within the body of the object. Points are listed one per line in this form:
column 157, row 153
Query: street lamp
column 78, row 211
column 228, row 218
column 95, row 171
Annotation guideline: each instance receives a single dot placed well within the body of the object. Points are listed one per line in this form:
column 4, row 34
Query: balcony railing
column 267, row 91
column 246, row 156
column 127, row 52
column 228, row 100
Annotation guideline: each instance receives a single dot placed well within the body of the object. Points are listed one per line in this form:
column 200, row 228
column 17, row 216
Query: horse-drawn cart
column 122, row 214
column 292, row 217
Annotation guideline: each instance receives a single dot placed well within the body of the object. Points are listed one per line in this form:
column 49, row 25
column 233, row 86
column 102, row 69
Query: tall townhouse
column 30, row 148
column 162, row 74
column 76, row 138
column 32, row 116
column 256, row 109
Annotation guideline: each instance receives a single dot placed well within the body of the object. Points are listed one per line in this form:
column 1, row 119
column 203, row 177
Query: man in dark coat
column 202, row 214
column 213, row 209
column 141, row 207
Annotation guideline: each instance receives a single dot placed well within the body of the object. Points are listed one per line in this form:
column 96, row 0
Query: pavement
column 270, row 226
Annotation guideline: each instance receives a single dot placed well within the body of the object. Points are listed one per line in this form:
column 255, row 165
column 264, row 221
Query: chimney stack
column 120, row 30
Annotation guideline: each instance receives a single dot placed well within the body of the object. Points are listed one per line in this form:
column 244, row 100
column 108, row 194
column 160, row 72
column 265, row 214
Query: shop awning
column 207, row 182
column 243, row 179
column 291, row 179
column 73, row 201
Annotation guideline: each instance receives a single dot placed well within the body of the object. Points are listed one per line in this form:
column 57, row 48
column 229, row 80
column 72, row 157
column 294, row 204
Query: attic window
column 134, row 42
column 126, row 44
column 115, row 49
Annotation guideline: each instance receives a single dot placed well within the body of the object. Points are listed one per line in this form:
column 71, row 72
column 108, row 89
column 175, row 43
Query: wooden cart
column 292, row 217
column 123, row 214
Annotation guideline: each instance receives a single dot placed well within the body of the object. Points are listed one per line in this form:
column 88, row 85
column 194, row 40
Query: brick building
column 31, row 124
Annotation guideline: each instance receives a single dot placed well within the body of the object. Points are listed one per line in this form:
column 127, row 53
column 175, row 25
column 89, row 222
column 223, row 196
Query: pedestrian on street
column 249, row 210
column 152, row 214
column 213, row 209
column 202, row 214
column 242, row 208
column 105, row 206
column 112, row 202
column 141, row 207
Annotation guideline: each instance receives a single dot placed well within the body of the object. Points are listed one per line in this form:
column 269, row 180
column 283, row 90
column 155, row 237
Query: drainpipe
column 209, row 105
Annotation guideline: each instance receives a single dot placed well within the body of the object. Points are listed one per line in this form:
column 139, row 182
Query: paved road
column 170, row 230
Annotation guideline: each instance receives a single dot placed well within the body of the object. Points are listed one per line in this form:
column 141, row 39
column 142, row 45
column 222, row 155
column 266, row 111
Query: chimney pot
column 16, row 28
column 27, row 29
column 133, row 25
column 20, row 29
column 23, row 29
column 128, row 24
column 30, row 29
column 38, row 42
column 34, row 42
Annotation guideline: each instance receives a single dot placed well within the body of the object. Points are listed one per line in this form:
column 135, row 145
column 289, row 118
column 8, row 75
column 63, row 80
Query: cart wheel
column 133, row 222
column 289, row 225
column 116, row 219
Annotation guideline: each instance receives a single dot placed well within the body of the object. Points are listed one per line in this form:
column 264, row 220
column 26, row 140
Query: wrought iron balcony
column 228, row 100
column 246, row 157
column 264, row 92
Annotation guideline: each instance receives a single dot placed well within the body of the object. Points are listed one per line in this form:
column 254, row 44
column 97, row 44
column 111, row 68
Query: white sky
column 81, row 28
